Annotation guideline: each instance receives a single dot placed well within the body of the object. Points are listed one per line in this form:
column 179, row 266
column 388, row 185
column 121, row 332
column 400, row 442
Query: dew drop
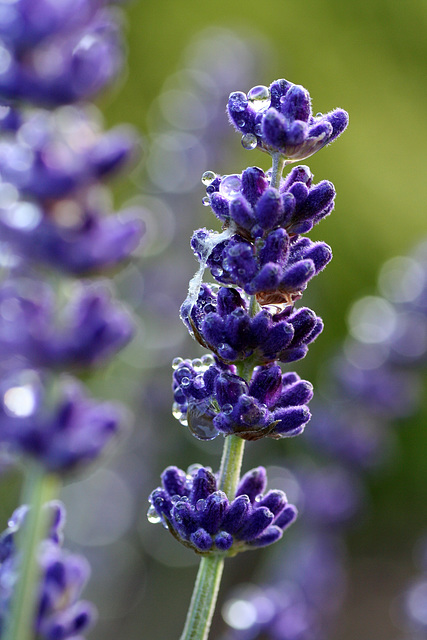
column 200, row 504
column 227, row 409
column 198, row 365
column 183, row 420
column 185, row 382
column 259, row 97
column 208, row 359
column 249, row 141
column 208, row 177
column 176, row 362
column 238, row 101
column 258, row 129
column 176, row 410
column 230, row 186
column 200, row 421
column 152, row 515
column 205, row 201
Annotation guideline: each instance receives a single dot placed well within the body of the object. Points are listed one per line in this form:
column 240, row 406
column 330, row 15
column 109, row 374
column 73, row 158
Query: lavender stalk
column 249, row 322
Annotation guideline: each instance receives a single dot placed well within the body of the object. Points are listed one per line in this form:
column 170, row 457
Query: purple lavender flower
column 222, row 323
column 278, row 119
column 59, row 612
column 53, row 155
column 213, row 399
column 92, row 327
column 61, row 59
column 254, row 208
column 276, row 268
column 62, row 437
column 202, row 518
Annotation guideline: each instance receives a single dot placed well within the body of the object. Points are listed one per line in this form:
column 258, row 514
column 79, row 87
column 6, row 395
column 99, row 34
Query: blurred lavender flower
column 60, row 614
column 201, row 517
column 68, row 56
column 62, row 434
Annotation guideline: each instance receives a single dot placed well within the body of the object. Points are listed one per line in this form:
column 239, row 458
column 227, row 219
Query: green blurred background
column 368, row 57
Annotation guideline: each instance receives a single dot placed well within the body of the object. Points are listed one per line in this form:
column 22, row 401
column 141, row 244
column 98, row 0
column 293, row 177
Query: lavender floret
column 272, row 404
column 222, row 323
column 278, row 119
column 212, row 523
column 254, row 208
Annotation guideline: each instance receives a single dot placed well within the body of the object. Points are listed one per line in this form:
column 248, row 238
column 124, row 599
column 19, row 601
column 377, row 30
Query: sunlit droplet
column 152, row 515
column 230, row 186
column 205, row 201
column 238, row 101
column 249, row 141
column 208, row 177
column 259, row 97
column 200, row 422
column 176, row 362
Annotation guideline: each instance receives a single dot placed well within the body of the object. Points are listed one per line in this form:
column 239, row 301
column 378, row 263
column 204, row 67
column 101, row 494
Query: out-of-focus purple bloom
column 70, row 238
column 276, row 268
column 254, row 208
column 214, row 399
column 299, row 602
column 91, row 329
column 54, row 155
column 62, row 437
column 60, row 615
column 332, row 494
column 278, row 119
column 57, row 60
column 202, row 518
column 222, row 323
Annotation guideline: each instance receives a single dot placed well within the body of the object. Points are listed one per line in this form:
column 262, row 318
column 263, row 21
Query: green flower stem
column 204, row 598
column 231, row 463
column 39, row 487
column 279, row 161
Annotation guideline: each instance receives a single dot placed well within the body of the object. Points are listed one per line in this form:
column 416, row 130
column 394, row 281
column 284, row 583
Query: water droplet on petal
column 208, row 359
column 208, row 177
column 205, row 201
column 198, row 365
column 227, row 409
column 176, row 362
column 185, row 382
column 230, row 186
column 176, row 410
column 249, row 141
column 258, row 129
column 200, row 421
column 152, row 515
column 238, row 101
column 193, row 469
column 259, row 97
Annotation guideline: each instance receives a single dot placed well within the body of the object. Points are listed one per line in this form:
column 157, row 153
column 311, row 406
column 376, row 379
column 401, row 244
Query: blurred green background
column 368, row 57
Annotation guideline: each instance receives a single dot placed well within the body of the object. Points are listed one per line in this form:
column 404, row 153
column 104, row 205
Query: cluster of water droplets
column 258, row 99
column 199, row 415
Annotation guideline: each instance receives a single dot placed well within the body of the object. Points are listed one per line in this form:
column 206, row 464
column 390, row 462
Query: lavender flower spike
column 59, row 615
column 202, row 518
column 278, row 119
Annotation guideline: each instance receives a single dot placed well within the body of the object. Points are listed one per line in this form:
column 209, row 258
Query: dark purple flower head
column 88, row 331
column 276, row 268
column 60, row 615
column 65, row 436
column 201, row 516
column 48, row 62
column 213, row 399
column 222, row 323
column 254, row 208
column 54, row 155
column 278, row 119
